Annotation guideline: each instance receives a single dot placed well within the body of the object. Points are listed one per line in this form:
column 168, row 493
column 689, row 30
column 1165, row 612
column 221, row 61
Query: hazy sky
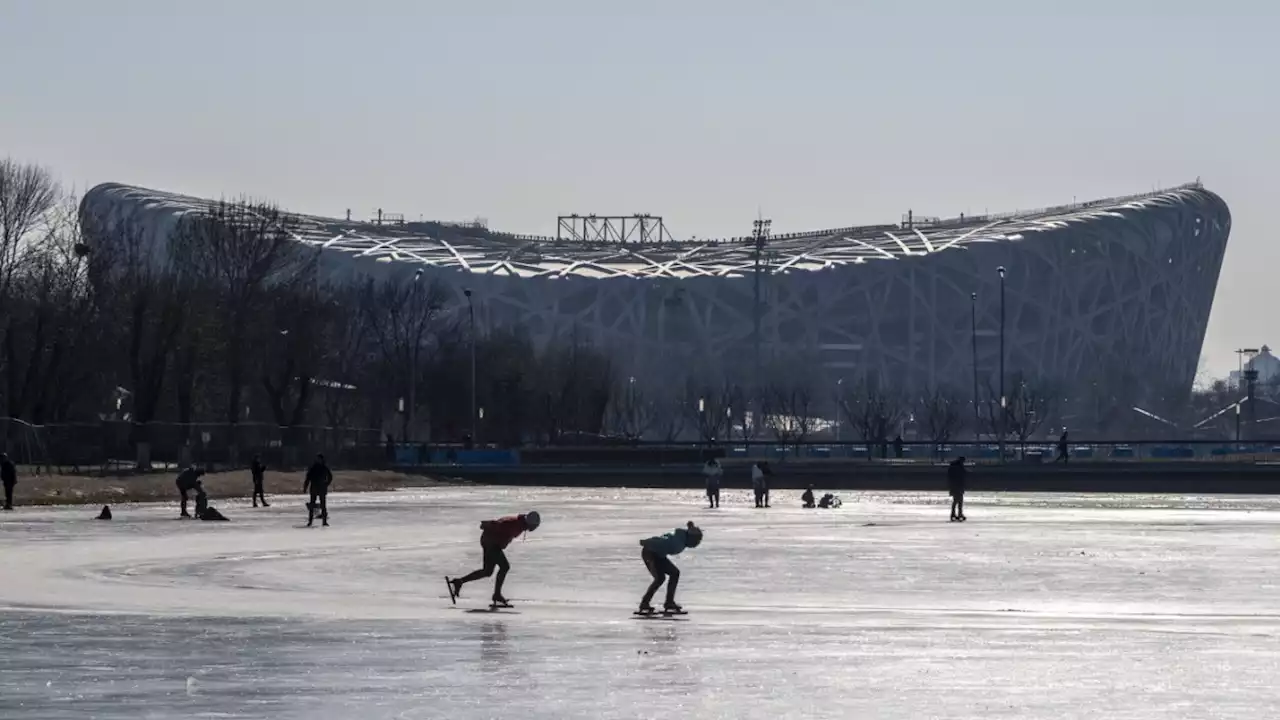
column 819, row 114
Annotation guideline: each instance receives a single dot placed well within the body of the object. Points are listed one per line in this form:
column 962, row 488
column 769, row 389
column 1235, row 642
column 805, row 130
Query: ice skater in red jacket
column 495, row 536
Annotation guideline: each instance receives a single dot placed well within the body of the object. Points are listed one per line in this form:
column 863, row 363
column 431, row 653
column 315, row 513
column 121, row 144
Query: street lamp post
column 1002, row 398
column 1237, row 426
column 973, row 334
column 839, row 392
column 471, row 311
column 413, row 377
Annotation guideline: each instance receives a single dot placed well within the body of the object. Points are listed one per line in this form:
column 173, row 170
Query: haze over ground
column 817, row 114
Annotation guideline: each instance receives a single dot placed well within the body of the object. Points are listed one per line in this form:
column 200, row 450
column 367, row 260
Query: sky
column 706, row 112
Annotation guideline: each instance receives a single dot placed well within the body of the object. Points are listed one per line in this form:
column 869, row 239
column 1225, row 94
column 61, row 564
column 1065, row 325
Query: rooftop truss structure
column 475, row 249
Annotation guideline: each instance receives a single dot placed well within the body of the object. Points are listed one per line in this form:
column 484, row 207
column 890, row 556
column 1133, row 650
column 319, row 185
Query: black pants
column 183, row 491
column 661, row 568
column 713, row 497
column 957, row 504
column 319, row 501
column 8, row 496
column 493, row 558
column 257, row 493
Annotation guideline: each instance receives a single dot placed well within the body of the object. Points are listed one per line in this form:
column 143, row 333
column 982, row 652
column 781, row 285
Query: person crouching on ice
column 657, row 554
column 495, row 536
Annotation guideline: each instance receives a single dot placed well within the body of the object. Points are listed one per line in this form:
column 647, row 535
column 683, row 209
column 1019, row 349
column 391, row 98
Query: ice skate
column 672, row 609
column 455, row 589
column 645, row 609
column 499, row 602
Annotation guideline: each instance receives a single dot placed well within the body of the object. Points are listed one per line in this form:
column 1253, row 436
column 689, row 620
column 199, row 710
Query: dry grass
column 84, row 490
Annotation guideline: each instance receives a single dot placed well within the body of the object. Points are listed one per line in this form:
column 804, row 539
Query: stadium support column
column 471, row 312
column 759, row 235
column 1003, row 411
column 973, row 334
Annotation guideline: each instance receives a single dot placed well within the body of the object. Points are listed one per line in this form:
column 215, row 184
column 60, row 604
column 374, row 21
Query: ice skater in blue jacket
column 657, row 554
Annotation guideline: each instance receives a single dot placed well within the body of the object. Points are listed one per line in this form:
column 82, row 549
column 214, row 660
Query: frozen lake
column 1038, row 607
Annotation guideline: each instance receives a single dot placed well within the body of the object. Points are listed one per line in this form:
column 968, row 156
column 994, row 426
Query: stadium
column 1108, row 292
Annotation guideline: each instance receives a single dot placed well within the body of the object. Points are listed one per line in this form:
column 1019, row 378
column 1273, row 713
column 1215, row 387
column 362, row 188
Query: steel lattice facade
column 1093, row 291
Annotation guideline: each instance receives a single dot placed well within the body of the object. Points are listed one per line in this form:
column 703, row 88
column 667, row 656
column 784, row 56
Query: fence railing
column 112, row 444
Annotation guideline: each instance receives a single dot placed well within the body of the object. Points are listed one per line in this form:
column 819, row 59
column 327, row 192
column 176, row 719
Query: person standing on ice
column 657, row 554
column 495, row 536
column 9, row 478
column 758, row 482
column 259, row 473
column 188, row 480
column 317, row 483
column 955, row 486
column 713, row 472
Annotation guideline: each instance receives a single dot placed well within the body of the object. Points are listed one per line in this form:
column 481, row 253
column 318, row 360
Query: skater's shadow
column 495, row 652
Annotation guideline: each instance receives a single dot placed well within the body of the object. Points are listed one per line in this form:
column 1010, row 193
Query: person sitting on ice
column 829, row 501
column 807, row 497
column 106, row 513
column 211, row 514
column 202, row 500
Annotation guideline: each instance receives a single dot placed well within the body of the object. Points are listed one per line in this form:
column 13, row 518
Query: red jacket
column 499, row 533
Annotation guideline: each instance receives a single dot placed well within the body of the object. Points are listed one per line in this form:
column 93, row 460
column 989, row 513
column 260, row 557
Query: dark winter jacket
column 318, row 478
column 189, row 478
column 956, row 477
column 8, row 472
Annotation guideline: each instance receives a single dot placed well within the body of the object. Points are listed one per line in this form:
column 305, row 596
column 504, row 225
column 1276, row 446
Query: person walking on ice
column 495, row 536
column 317, row 483
column 657, row 554
column 955, row 486
column 714, row 472
column 9, row 475
column 259, row 473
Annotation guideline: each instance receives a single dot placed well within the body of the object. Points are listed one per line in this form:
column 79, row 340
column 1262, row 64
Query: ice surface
column 1038, row 607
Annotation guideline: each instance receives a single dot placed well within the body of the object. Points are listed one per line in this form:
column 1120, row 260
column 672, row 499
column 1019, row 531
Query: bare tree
column 632, row 413
column 403, row 317
column 294, row 354
column 710, row 408
column 241, row 252
column 149, row 304
column 345, row 349
column 670, row 414
column 28, row 194
column 872, row 410
column 787, row 407
column 51, row 320
column 940, row 411
column 577, row 380
column 1029, row 403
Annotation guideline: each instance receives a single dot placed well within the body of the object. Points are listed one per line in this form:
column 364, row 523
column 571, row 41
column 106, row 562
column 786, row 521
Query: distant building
column 1109, row 297
column 1268, row 367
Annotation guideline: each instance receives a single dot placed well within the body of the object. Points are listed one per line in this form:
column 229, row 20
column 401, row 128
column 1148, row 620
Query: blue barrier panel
column 475, row 457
